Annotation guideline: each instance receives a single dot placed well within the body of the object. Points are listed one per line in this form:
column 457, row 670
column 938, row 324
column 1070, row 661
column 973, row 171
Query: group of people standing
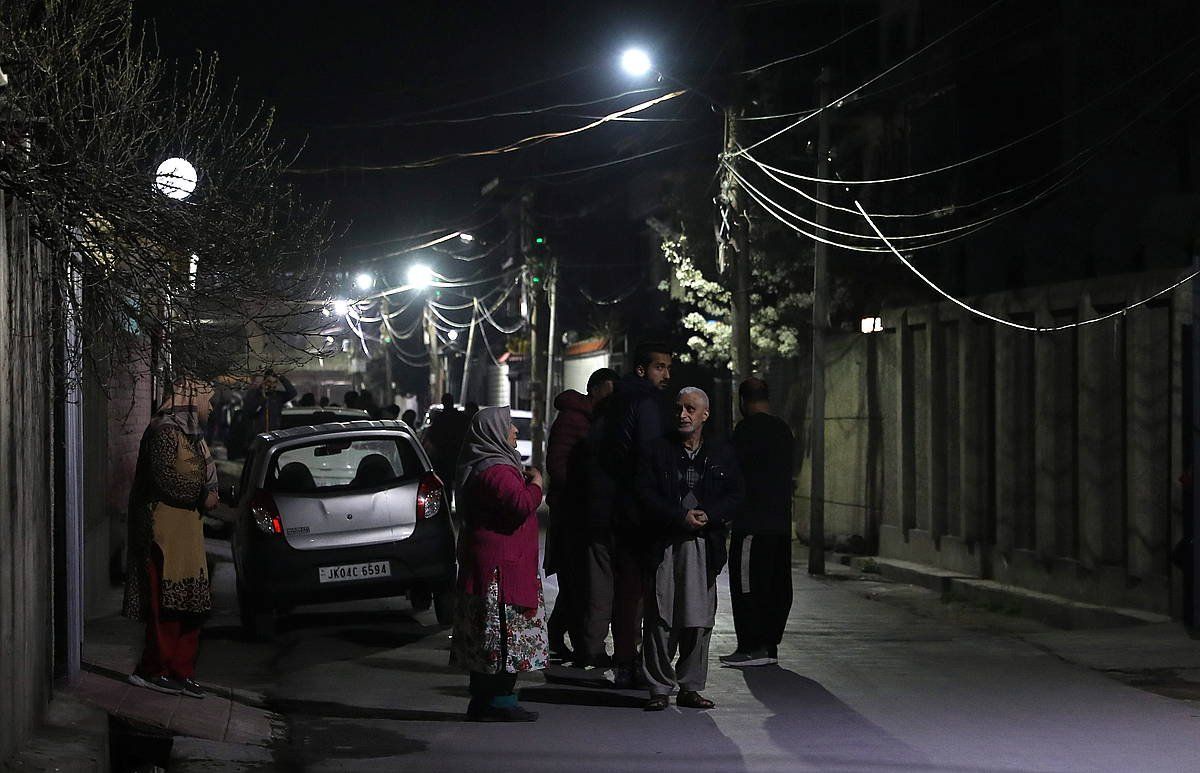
column 642, row 509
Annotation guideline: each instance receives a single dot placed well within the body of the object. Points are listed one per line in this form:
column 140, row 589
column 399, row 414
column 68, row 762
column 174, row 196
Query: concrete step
column 74, row 736
column 1058, row 611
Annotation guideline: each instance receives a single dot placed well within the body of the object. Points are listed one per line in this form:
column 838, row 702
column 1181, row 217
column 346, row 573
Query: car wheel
column 421, row 598
column 257, row 623
column 443, row 606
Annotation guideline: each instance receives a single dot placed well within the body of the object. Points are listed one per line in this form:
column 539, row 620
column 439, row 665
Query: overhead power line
column 1009, row 323
column 521, row 144
column 866, row 83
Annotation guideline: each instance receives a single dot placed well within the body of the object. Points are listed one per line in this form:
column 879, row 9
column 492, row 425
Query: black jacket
column 623, row 429
column 719, row 493
column 765, row 448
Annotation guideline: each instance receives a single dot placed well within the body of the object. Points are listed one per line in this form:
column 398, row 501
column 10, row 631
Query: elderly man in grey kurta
column 688, row 489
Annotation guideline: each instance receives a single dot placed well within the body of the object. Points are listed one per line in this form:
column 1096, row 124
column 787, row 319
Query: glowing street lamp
column 635, row 62
column 466, row 238
column 420, row 276
column 341, row 307
column 175, row 178
column 364, row 281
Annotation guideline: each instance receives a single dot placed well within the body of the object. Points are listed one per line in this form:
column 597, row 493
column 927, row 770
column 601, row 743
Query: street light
column 466, row 238
column 420, row 276
column 341, row 307
column 175, row 178
column 364, row 281
column 636, row 62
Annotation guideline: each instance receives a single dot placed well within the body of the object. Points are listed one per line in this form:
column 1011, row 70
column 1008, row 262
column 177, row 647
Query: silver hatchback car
column 335, row 512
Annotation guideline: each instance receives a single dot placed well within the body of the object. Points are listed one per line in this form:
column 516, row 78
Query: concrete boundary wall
column 26, row 482
column 1048, row 461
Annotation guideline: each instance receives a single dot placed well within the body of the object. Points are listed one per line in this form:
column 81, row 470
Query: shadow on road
column 818, row 729
column 569, row 697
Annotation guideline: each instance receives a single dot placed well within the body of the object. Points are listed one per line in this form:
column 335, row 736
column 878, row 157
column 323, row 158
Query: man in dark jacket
column 633, row 418
column 689, row 489
column 760, row 554
column 566, row 538
column 444, row 438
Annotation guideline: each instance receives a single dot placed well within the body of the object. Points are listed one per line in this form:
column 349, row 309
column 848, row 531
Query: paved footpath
column 862, row 685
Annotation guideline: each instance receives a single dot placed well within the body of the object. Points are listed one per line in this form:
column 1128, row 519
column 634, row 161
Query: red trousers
column 171, row 645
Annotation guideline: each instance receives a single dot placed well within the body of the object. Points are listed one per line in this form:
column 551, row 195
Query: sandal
column 657, row 703
column 690, row 699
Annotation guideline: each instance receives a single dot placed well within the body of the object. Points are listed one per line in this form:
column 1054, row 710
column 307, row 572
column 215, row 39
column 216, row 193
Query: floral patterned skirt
column 493, row 638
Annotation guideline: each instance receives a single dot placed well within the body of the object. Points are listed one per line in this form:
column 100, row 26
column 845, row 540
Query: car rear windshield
column 336, row 465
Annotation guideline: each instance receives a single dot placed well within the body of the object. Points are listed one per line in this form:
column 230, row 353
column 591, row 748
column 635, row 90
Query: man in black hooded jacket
column 632, row 419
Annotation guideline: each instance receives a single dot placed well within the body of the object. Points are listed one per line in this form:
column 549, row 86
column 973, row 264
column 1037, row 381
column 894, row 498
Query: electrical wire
column 605, row 164
column 521, row 144
column 816, row 50
column 1009, row 323
column 863, row 85
column 999, row 149
column 391, row 122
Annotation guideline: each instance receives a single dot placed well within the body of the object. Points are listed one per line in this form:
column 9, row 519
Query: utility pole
column 436, row 386
column 734, row 255
column 1193, row 581
column 816, row 520
column 389, row 394
column 533, row 288
column 551, row 282
column 470, row 348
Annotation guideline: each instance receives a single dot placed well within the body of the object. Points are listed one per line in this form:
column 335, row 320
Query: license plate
column 351, row 572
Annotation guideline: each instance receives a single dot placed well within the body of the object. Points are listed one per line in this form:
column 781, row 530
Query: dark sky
column 328, row 65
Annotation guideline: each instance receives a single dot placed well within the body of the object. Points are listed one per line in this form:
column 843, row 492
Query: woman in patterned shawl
column 500, row 619
column 167, row 582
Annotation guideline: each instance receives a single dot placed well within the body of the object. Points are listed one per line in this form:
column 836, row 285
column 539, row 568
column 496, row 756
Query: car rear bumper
column 274, row 574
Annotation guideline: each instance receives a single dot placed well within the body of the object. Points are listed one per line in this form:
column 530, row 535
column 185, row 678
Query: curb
column 1058, row 611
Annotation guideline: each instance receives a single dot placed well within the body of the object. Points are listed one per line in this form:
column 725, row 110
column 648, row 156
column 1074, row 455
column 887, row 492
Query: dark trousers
column 614, row 580
column 171, row 646
column 760, row 586
column 570, row 607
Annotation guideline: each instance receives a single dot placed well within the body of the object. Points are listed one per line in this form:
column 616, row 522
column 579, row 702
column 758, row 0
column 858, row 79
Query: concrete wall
column 26, row 482
column 1047, row 460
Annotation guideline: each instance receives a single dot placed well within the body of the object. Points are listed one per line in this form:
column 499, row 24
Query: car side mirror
column 228, row 495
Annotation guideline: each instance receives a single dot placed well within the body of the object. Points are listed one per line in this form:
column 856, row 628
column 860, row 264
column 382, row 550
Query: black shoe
column 163, row 684
column 560, row 653
column 191, row 689
column 506, row 714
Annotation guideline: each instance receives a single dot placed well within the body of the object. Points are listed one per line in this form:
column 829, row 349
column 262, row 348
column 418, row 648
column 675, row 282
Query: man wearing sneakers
column 760, row 552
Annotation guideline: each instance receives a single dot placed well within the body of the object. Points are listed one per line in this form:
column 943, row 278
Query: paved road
column 862, row 685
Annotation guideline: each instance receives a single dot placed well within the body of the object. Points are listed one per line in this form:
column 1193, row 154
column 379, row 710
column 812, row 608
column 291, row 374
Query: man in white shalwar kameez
column 688, row 489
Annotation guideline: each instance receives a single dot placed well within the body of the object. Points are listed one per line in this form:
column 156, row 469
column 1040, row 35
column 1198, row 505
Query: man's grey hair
column 693, row 391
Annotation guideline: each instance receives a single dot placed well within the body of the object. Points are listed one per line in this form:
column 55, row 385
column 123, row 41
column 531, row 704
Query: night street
column 873, row 676
column 611, row 385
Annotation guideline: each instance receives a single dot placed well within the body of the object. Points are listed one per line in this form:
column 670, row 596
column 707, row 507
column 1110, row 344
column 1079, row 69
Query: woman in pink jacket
column 500, row 619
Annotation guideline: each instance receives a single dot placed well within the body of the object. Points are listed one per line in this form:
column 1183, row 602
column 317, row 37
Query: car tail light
column 430, row 496
column 265, row 513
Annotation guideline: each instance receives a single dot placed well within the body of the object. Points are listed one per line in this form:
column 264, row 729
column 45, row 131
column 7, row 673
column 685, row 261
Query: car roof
column 332, row 428
column 339, row 411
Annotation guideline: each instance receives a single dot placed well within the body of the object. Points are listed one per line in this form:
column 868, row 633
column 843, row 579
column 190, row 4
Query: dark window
column 340, row 465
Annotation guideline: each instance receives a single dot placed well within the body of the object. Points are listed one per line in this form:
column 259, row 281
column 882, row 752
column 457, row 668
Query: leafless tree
column 224, row 281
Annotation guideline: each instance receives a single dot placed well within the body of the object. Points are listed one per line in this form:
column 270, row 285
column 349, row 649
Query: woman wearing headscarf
column 500, row 619
column 167, row 583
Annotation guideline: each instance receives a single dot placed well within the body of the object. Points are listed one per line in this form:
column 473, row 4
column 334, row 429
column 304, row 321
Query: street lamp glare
column 466, row 237
column 420, row 276
column 635, row 62
column 175, row 178
column 341, row 307
column 364, row 281
column 452, row 335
